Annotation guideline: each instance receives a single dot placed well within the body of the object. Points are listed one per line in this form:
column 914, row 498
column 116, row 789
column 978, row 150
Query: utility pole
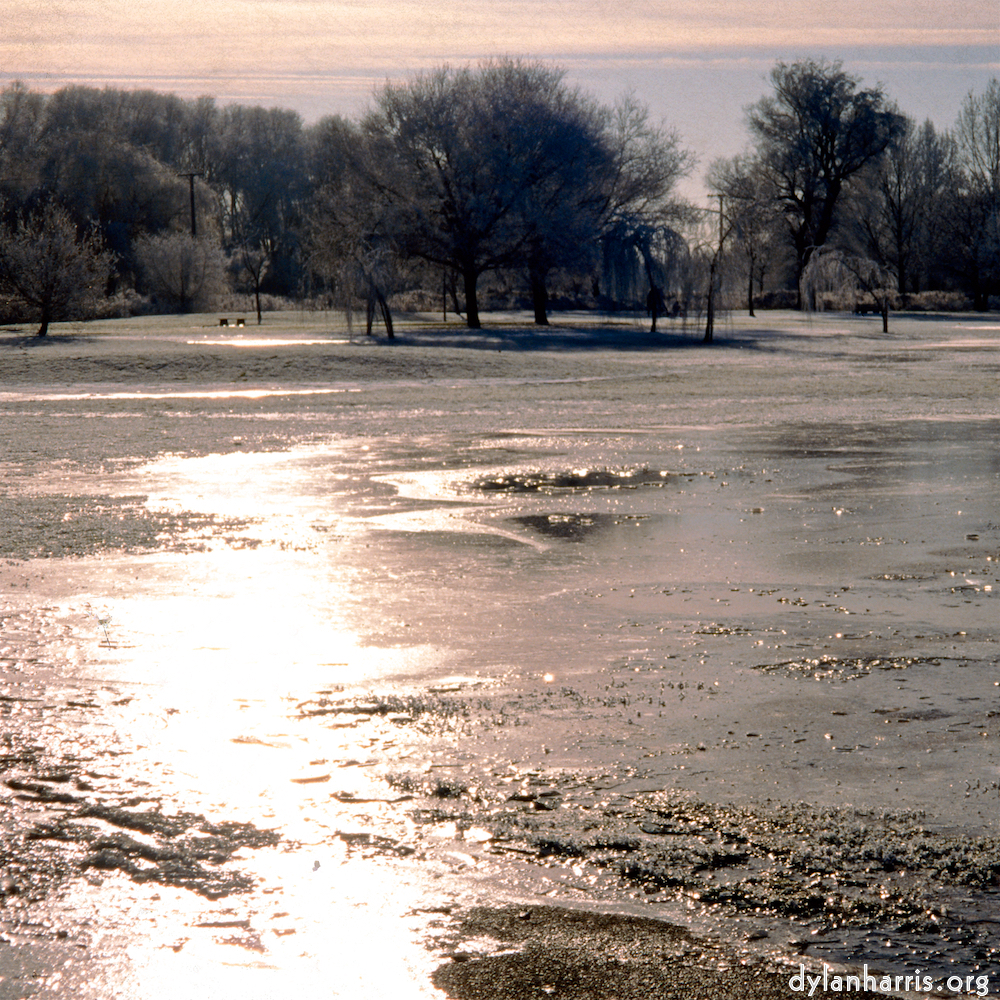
column 716, row 258
column 191, row 175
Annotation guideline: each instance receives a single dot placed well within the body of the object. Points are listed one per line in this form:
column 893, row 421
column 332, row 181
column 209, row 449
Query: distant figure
column 654, row 305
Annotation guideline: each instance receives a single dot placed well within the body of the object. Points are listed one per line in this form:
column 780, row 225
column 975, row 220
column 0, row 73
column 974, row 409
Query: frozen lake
column 638, row 577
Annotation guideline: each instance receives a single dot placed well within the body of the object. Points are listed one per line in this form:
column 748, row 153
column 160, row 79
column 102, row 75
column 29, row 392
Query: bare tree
column 975, row 217
column 347, row 239
column 22, row 115
column 54, row 271
column 260, row 174
column 641, row 248
column 749, row 201
column 891, row 209
column 978, row 134
column 813, row 136
column 253, row 261
column 183, row 271
column 715, row 258
column 446, row 164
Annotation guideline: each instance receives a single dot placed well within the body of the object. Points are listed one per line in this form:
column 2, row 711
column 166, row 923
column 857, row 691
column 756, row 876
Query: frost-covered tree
column 814, row 134
column 184, row 272
column 260, row 173
column 503, row 166
column 975, row 209
column 348, row 242
column 641, row 247
column 892, row 212
column 22, row 118
column 464, row 160
column 844, row 273
column 748, row 201
column 52, row 270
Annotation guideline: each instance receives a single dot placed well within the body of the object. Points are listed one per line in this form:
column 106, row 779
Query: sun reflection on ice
column 221, row 656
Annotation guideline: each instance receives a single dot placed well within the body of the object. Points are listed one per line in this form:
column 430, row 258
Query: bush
column 182, row 273
column 234, row 302
column 937, row 301
column 417, row 300
column 127, row 302
column 778, row 298
column 852, row 301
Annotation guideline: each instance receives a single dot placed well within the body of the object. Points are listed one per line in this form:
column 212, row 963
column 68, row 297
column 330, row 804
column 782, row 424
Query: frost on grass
column 843, row 866
column 70, row 835
column 57, row 525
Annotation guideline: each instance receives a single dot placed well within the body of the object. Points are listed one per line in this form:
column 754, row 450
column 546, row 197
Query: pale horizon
column 696, row 70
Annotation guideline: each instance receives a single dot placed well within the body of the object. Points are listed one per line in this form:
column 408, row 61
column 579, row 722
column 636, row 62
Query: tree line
column 839, row 189
column 499, row 173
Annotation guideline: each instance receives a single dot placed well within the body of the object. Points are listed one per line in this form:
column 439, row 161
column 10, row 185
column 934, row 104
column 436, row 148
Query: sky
column 697, row 65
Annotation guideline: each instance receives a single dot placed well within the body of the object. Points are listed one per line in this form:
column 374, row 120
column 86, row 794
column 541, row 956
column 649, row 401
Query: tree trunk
column 377, row 299
column 710, row 318
column 980, row 296
column 803, row 251
column 539, row 296
column 470, row 277
column 44, row 328
column 453, row 292
column 386, row 314
column 750, row 292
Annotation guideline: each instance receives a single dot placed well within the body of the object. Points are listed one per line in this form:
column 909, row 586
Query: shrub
column 937, row 301
column 778, row 298
column 182, row 273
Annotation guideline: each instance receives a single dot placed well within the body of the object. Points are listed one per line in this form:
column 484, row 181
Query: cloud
column 184, row 37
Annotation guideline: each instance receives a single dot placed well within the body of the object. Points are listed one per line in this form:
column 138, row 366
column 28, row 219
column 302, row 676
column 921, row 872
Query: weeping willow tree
column 847, row 275
column 640, row 250
column 347, row 240
column 637, row 257
column 364, row 273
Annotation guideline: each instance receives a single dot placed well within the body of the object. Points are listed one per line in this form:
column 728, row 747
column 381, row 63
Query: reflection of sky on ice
column 154, row 394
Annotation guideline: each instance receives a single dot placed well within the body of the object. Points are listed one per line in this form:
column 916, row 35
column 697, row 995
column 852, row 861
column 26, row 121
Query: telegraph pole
column 191, row 175
column 716, row 258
